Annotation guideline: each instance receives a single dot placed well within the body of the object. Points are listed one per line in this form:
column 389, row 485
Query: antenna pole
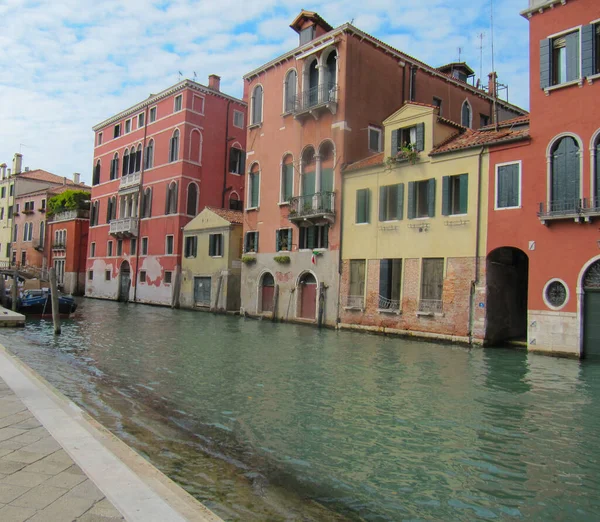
column 494, row 94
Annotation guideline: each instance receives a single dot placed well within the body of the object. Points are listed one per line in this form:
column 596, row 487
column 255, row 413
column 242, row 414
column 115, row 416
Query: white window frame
column 167, row 253
column 99, row 141
column 520, row 163
column 175, row 99
column 577, row 81
column 241, row 114
column 141, row 120
column 144, row 252
column 150, row 119
column 128, row 124
column 379, row 141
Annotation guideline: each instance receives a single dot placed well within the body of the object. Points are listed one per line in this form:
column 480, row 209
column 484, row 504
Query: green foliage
column 284, row 260
column 246, row 259
column 69, row 200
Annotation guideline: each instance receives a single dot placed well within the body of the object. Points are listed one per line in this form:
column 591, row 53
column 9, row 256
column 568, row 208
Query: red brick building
column 543, row 240
column 156, row 166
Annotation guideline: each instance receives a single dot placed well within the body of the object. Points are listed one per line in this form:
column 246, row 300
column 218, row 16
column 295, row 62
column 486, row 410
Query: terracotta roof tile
column 233, row 216
column 42, row 175
column 371, row 161
column 471, row 138
column 519, row 120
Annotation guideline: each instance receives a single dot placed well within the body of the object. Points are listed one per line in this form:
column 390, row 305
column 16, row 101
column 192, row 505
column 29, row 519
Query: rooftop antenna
column 195, row 76
column 180, row 75
column 493, row 69
column 459, row 53
column 21, row 145
column 481, row 36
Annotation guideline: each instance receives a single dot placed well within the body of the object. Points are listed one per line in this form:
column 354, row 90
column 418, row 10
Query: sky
column 66, row 65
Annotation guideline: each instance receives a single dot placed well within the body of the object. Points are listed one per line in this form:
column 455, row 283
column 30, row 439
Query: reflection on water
column 280, row 422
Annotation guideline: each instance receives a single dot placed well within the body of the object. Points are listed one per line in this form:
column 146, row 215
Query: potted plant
column 284, row 260
column 248, row 259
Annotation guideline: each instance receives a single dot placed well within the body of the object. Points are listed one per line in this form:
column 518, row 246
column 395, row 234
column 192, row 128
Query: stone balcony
column 124, row 227
column 130, row 180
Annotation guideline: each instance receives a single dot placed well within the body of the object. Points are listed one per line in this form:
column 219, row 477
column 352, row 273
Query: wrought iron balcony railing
column 576, row 209
column 316, row 205
column 388, row 304
column 58, row 245
column 125, row 227
column 431, row 306
column 321, row 95
column 356, row 302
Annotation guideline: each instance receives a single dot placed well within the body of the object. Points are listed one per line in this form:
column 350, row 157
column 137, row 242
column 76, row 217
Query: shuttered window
column 169, row 245
column 254, row 189
column 508, row 186
column 316, row 236
column 326, row 180
column 362, row 205
column 421, row 199
column 432, row 279
column 251, row 242
column 236, row 160
column 357, row 277
column 283, row 239
column 257, row 101
column 308, row 183
column 410, row 137
column 374, row 139
column 191, row 246
column 215, row 245
column 391, row 202
column 287, row 182
column 560, row 58
column 455, row 194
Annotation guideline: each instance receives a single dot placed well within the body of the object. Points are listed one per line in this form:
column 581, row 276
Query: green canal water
column 283, row 422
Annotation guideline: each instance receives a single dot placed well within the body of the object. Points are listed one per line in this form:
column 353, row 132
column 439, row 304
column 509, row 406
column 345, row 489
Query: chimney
column 76, row 178
column 8, row 173
column 3, row 171
column 17, row 163
column 26, row 169
column 64, row 180
column 214, row 82
column 492, row 81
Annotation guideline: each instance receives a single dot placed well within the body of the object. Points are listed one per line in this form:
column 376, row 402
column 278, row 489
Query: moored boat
column 39, row 302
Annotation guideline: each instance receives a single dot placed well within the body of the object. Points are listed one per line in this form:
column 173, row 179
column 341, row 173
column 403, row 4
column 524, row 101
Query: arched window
column 565, row 174
column 237, row 159
column 94, row 213
column 171, row 203
column 138, row 159
column 331, row 83
column 111, row 209
column 147, row 203
column 254, row 186
column 16, row 232
column 291, row 82
column 326, row 155
column 196, row 146
column 96, row 176
column 287, row 178
column 597, row 172
column 234, row 202
column 257, row 103
column 174, row 147
column 126, row 169
column 192, row 199
column 308, row 172
column 149, row 160
column 25, row 231
column 465, row 117
column 114, row 166
column 42, row 233
column 311, row 85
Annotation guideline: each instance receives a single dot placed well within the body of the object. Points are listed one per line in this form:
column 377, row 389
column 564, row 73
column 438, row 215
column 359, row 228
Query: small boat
column 39, row 302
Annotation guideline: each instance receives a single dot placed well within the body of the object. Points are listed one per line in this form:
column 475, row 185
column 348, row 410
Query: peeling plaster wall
column 98, row 286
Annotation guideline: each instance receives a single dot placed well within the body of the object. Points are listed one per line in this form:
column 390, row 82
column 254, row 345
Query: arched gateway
column 591, row 311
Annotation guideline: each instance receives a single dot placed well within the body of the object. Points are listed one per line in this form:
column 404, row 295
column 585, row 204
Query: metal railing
column 130, row 180
column 434, row 306
column 388, row 304
column 315, row 96
column 124, row 227
column 312, row 204
column 58, row 245
column 569, row 208
column 354, row 301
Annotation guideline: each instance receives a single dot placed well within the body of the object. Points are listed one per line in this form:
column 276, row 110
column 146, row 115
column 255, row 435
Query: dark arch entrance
column 308, row 297
column 267, row 287
column 591, row 311
column 124, row 282
column 507, row 288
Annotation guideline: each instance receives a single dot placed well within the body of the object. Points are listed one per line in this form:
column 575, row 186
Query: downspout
column 475, row 280
column 412, row 89
column 339, row 296
column 225, row 163
column 140, row 206
column 403, row 84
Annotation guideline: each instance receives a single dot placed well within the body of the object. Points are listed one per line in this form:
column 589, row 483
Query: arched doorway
column 267, row 291
column 591, row 311
column 507, row 288
column 307, row 287
column 313, row 83
column 124, row 282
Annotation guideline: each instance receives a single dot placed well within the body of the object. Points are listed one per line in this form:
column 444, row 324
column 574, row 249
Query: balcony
column 430, row 307
column 126, row 227
column 313, row 207
column 315, row 100
column 388, row 305
column 578, row 210
column 59, row 245
column 69, row 215
column 38, row 244
column 130, row 181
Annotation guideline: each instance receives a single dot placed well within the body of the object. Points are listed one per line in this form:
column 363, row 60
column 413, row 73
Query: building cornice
column 151, row 100
column 538, row 6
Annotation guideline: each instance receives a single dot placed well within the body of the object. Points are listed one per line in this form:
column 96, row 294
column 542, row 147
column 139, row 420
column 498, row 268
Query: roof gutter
column 510, row 140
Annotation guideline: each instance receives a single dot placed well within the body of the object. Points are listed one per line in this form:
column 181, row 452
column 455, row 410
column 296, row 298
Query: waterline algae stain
column 262, row 421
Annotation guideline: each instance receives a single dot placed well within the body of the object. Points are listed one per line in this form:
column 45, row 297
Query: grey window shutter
column 325, row 236
column 445, row 195
column 545, row 63
column 394, row 142
column 211, row 243
column 289, row 244
column 504, row 186
column 412, row 192
column 233, row 159
column 382, row 203
column 256, row 241
column 168, row 200
column 400, row 213
column 572, row 56
column 359, row 216
column 277, row 241
column 242, row 162
column 289, row 181
column 431, row 197
column 311, row 237
column 420, row 145
column 384, row 270
column 246, row 241
column 512, row 199
column 588, row 60
column 464, row 193
column 367, row 205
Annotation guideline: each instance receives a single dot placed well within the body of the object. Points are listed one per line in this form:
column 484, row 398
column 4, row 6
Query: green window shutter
column 572, row 41
column 431, row 197
column 288, row 190
column 255, row 182
column 513, row 186
column 588, row 58
column 597, row 171
column 358, row 218
column 327, row 180
column 464, row 193
column 277, row 241
column 325, row 236
column 412, row 193
column 382, row 203
column 289, row 239
column 211, row 244
column 308, row 183
column 445, row 195
column 545, row 63
column 384, row 278
column 256, row 241
column 400, row 201
column 420, row 145
column 367, row 205
column 394, row 142
column 310, row 237
column 242, row 162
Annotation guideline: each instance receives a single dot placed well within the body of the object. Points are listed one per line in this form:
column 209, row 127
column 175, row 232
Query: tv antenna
column 459, row 53
column 481, row 36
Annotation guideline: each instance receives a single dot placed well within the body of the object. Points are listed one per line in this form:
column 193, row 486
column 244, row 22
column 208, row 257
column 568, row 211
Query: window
column 169, row 245
column 2, row 213
column 178, row 103
column 142, row 276
column 374, row 139
column 238, row 119
column 147, row 203
column 15, row 232
column 484, row 120
column 391, row 202
column 291, row 81
column 287, row 179
column 93, row 249
column 432, row 284
column 237, row 159
column 455, row 194
column 254, row 187
column 390, row 277
column 107, row 275
column 356, row 290
column 174, row 147
column 508, row 185
column 149, row 159
column 192, row 199
column 11, row 189
column 565, row 58
column 215, row 245
column 465, row 115
column 119, row 247
column 90, row 275
column 256, row 105
column 198, row 104
column 316, row 236
column 191, row 246
column 3, row 193
column 117, row 131
column 141, row 120
column 144, row 246
column 421, row 199
column 99, row 138
column 94, row 213
column 283, row 240
column 127, row 126
column 43, row 207
column 362, row 205
column 114, row 166
column 408, row 137
column 307, row 34
column 126, row 162
column 42, row 233
column 17, row 209
column 438, row 103
column 111, row 209
column 565, row 175
column 152, row 116
column 96, row 175
column 251, row 242
column 109, row 249
column 10, row 212
column 171, row 200
column 132, row 246
column 168, row 277
column 597, row 48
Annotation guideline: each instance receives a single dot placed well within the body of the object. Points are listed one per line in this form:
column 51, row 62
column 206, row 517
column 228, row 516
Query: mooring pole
column 275, row 302
column 15, row 291
column 2, row 291
column 54, row 297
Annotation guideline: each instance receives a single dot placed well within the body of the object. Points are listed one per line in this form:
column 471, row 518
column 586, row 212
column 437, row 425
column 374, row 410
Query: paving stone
column 24, row 478
column 9, row 433
column 28, row 424
column 15, row 514
column 39, row 497
column 9, row 492
column 51, row 465
column 66, row 479
column 46, row 444
column 87, row 489
column 89, row 517
column 66, row 508
column 76, row 470
column 30, row 436
column 28, row 457
column 8, row 467
column 105, row 509
column 12, row 408
column 17, row 418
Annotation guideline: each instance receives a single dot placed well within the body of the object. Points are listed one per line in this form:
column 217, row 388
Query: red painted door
column 267, row 298
column 308, row 301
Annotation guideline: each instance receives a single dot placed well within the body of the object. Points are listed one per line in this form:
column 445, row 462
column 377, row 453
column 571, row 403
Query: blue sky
column 69, row 64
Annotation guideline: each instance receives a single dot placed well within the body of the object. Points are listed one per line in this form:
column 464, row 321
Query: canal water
column 264, row 421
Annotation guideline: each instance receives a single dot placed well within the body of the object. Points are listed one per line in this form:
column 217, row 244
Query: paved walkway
column 38, row 480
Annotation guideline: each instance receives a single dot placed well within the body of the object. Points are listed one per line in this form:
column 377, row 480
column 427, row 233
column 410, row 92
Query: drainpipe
column 477, row 246
column 225, row 164
column 403, row 84
column 140, row 200
column 339, row 293
column 413, row 78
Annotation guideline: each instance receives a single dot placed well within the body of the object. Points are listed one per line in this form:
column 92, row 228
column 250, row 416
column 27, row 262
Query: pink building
column 156, row 166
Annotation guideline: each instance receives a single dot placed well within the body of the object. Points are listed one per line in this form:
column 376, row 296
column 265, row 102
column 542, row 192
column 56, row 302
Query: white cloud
column 69, row 64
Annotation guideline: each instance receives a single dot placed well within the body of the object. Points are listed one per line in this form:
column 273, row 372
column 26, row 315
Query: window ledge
column 590, row 79
column 389, row 311
column 284, row 203
column 251, row 208
column 236, row 173
column 548, row 90
column 255, row 125
column 354, row 309
column 507, row 208
column 429, row 314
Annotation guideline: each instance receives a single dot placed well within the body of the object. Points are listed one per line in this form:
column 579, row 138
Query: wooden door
column 591, row 324
column 308, row 300
column 202, row 291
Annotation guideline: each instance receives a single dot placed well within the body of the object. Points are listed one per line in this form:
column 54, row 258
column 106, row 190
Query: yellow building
column 211, row 264
column 6, row 209
column 414, row 230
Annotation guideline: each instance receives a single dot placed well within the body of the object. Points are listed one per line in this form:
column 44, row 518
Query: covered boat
column 39, row 302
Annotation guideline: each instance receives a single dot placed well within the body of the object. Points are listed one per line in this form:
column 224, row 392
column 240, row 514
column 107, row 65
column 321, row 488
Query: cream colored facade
column 222, row 272
column 7, row 200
